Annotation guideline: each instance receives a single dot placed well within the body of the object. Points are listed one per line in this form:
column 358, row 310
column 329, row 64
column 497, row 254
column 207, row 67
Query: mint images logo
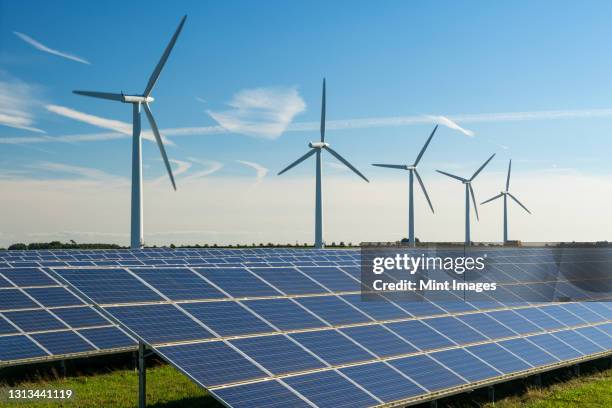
column 412, row 264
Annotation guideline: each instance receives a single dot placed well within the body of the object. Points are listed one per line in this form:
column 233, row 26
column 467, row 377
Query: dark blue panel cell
column 211, row 363
column 455, row 330
column 34, row 320
column 284, row 314
column 555, row 346
column 332, row 347
column 379, row 340
column 539, row 318
column 14, row 299
column 77, row 317
column 332, row 278
column 329, row 389
column 514, row 321
column 227, row 318
column 333, row 310
column 499, row 358
column 238, row 282
column 528, row 352
column 108, row 337
column 420, row 335
column 486, row 325
column 179, row 283
column 267, row 394
column 159, row 323
column 18, row 347
column 109, row 285
column 577, row 341
column 597, row 336
column 606, row 328
column 65, row 342
column 4, row 283
column 562, row 315
column 377, row 307
column 6, row 327
column 465, row 364
column 56, row 296
column 418, row 308
column 289, row 280
column 455, row 306
column 277, row 354
column 585, row 314
column 600, row 308
column 383, row 381
column 27, row 277
column 427, row 372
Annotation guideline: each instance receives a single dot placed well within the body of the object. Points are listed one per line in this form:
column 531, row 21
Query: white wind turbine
column 317, row 148
column 136, row 232
column 413, row 172
column 468, row 191
column 505, row 194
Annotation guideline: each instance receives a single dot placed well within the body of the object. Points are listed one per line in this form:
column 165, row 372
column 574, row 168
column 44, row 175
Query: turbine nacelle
column 318, row 145
column 137, row 99
column 413, row 167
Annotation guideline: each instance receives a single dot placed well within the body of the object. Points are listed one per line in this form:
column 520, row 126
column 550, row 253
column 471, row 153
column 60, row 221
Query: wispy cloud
column 180, row 167
column 17, row 100
column 362, row 123
column 211, row 168
column 260, row 171
column 261, row 112
column 41, row 47
column 443, row 120
column 78, row 171
column 201, row 100
column 104, row 123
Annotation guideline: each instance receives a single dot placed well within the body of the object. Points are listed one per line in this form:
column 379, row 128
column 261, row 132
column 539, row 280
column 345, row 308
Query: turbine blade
column 418, row 159
column 323, row 114
column 345, row 162
column 519, row 203
column 424, row 190
column 390, row 166
column 474, row 201
column 482, row 167
column 163, row 59
column 101, row 95
column 508, row 179
column 298, row 161
column 451, row 175
column 491, row 199
column 160, row 143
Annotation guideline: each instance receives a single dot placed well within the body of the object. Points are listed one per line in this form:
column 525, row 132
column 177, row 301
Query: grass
column 167, row 388
column 593, row 390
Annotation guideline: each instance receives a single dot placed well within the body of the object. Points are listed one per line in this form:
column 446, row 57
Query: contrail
column 41, row 47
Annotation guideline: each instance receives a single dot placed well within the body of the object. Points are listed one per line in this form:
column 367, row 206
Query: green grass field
column 167, row 388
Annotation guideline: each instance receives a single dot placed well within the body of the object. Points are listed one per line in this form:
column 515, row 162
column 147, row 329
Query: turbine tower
column 469, row 191
column 143, row 100
column 506, row 193
column 413, row 172
column 317, row 148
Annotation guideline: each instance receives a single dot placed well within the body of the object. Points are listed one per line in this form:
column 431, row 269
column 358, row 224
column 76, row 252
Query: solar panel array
column 289, row 327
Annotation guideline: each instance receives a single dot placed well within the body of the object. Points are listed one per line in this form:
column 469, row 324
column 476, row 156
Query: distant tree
column 341, row 243
column 18, row 247
column 172, row 246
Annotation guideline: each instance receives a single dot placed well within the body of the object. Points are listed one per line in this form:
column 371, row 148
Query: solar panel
column 296, row 325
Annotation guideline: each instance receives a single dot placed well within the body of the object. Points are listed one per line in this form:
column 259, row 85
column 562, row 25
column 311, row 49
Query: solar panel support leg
column 434, row 404
column 537, row 379
column 142, row 377
column 491, row 394
column 576, row 369
column 63, row 368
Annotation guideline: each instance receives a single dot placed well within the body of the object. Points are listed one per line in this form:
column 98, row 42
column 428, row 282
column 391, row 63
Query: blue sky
column 395, row 59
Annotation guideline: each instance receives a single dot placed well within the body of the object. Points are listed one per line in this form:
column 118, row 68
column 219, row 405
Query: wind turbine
column 468, row 191
column 317, row 148
column 505, row 194
column 136, row 240
column 413, row 172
